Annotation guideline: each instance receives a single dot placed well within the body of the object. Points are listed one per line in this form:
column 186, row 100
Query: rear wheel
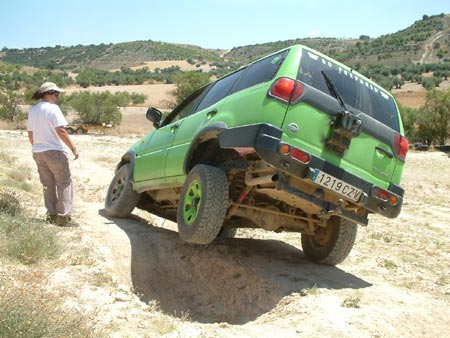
column 121, row 199
column 331, row 244
column 203, row 204
column 69, row 131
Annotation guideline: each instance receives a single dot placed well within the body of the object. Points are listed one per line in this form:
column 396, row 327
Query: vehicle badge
column 293, row 128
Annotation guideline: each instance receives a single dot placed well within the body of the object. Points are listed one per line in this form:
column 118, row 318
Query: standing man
column 51, row 145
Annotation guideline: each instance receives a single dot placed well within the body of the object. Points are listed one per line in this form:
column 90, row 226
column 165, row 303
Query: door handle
column 384, row 151
column 211, row 113
column 174, row 128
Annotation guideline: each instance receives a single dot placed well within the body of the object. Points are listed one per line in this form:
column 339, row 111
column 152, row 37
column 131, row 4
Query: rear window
column 261, row 71
column 356, row 92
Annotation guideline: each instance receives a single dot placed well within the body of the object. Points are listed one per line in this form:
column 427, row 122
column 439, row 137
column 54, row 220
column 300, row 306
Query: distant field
column 158, row 95
column 414, row 95
column 183, row 64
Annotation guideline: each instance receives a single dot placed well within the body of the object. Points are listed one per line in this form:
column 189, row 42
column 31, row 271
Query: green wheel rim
column 192, row 201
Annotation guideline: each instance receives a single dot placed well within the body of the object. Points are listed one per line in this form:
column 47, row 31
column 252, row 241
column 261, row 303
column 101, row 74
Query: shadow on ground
column 234, row 281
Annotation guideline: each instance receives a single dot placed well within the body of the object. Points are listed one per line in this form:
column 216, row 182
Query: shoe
column 50, row 218
column 65, row 221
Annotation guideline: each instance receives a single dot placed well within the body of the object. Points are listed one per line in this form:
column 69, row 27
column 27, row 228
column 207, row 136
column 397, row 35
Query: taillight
column 295, row 153
column 286, row 89
column 384, row 195
column 300, row 155
column 401, row 146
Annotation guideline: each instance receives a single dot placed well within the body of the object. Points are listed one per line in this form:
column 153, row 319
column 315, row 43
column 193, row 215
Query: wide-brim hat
column 49, row 87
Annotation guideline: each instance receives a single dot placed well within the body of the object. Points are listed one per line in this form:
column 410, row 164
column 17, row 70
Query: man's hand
column 64, row 136
column 75, row 153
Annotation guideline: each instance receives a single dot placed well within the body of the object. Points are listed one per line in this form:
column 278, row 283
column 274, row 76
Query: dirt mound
column 234, row 281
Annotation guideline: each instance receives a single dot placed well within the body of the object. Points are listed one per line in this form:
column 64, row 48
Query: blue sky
column 219, row 24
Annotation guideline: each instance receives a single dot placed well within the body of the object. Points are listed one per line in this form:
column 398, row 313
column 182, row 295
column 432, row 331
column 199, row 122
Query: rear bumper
column 266, row 140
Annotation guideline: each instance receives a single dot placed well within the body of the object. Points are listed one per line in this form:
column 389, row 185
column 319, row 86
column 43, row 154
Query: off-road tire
column 226, row 232
column 80, row 131
column 121, row 199
column 202, row 205
column 332, row 244
column 69, row 131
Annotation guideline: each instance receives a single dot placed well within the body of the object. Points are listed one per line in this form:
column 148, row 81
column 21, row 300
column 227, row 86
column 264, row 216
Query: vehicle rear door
column 310, row 122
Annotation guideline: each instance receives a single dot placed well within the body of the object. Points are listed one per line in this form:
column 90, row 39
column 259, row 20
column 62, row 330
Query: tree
column 434, row 117
column 409, row 117
column 431, row 82
column 97, row 108
column 385, row 82
column 186, row 83
column 9, row 107
column 398, row 82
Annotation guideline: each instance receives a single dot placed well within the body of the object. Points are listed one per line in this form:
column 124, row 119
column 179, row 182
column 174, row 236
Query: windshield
column 356, row 92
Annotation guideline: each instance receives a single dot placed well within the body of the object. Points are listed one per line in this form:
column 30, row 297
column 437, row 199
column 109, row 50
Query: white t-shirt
column 43, row 118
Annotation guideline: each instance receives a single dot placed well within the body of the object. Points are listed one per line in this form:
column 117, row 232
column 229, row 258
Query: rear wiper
column 333, row 90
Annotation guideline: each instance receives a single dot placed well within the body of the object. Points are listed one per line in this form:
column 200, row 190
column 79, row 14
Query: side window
column 261, row 71
column 219, row 90
column 185, row 107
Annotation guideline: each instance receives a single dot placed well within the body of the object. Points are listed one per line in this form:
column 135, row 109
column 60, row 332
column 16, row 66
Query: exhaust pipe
column 252, row 181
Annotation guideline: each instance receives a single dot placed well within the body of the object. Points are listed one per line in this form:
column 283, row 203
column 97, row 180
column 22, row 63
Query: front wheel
column 203, row 204
column 331, row 244
column 225, row 233
column 121, row 199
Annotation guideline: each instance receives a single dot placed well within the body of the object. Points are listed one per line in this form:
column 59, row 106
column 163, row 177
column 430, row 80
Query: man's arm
column 64, row 136
column 30, row 137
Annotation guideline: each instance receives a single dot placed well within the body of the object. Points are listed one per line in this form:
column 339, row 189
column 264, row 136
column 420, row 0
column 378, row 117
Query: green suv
column 295, row 141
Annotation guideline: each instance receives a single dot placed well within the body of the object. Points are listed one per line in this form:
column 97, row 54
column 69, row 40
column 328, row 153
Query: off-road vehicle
column 295, row 141
column 76, row 128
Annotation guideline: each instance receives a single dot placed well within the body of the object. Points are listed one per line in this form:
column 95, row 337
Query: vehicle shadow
column 235, row 280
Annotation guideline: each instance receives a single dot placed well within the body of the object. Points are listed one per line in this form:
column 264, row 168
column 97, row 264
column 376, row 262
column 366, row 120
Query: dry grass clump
column 10, row 202
column 21, row 173
column 27, row 241
column 28, row 311
column 23, row 239
column 353, row 300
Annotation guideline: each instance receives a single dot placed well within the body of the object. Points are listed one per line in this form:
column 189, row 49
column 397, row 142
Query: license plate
column 337, row 185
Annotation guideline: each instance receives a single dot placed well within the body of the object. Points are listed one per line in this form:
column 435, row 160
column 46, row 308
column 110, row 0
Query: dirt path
column 395, row 282
column 428, row 54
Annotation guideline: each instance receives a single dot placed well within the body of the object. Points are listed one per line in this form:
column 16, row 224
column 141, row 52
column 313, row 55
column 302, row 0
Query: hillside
column 429, row 36
column 426, row 40
column 106, row 57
